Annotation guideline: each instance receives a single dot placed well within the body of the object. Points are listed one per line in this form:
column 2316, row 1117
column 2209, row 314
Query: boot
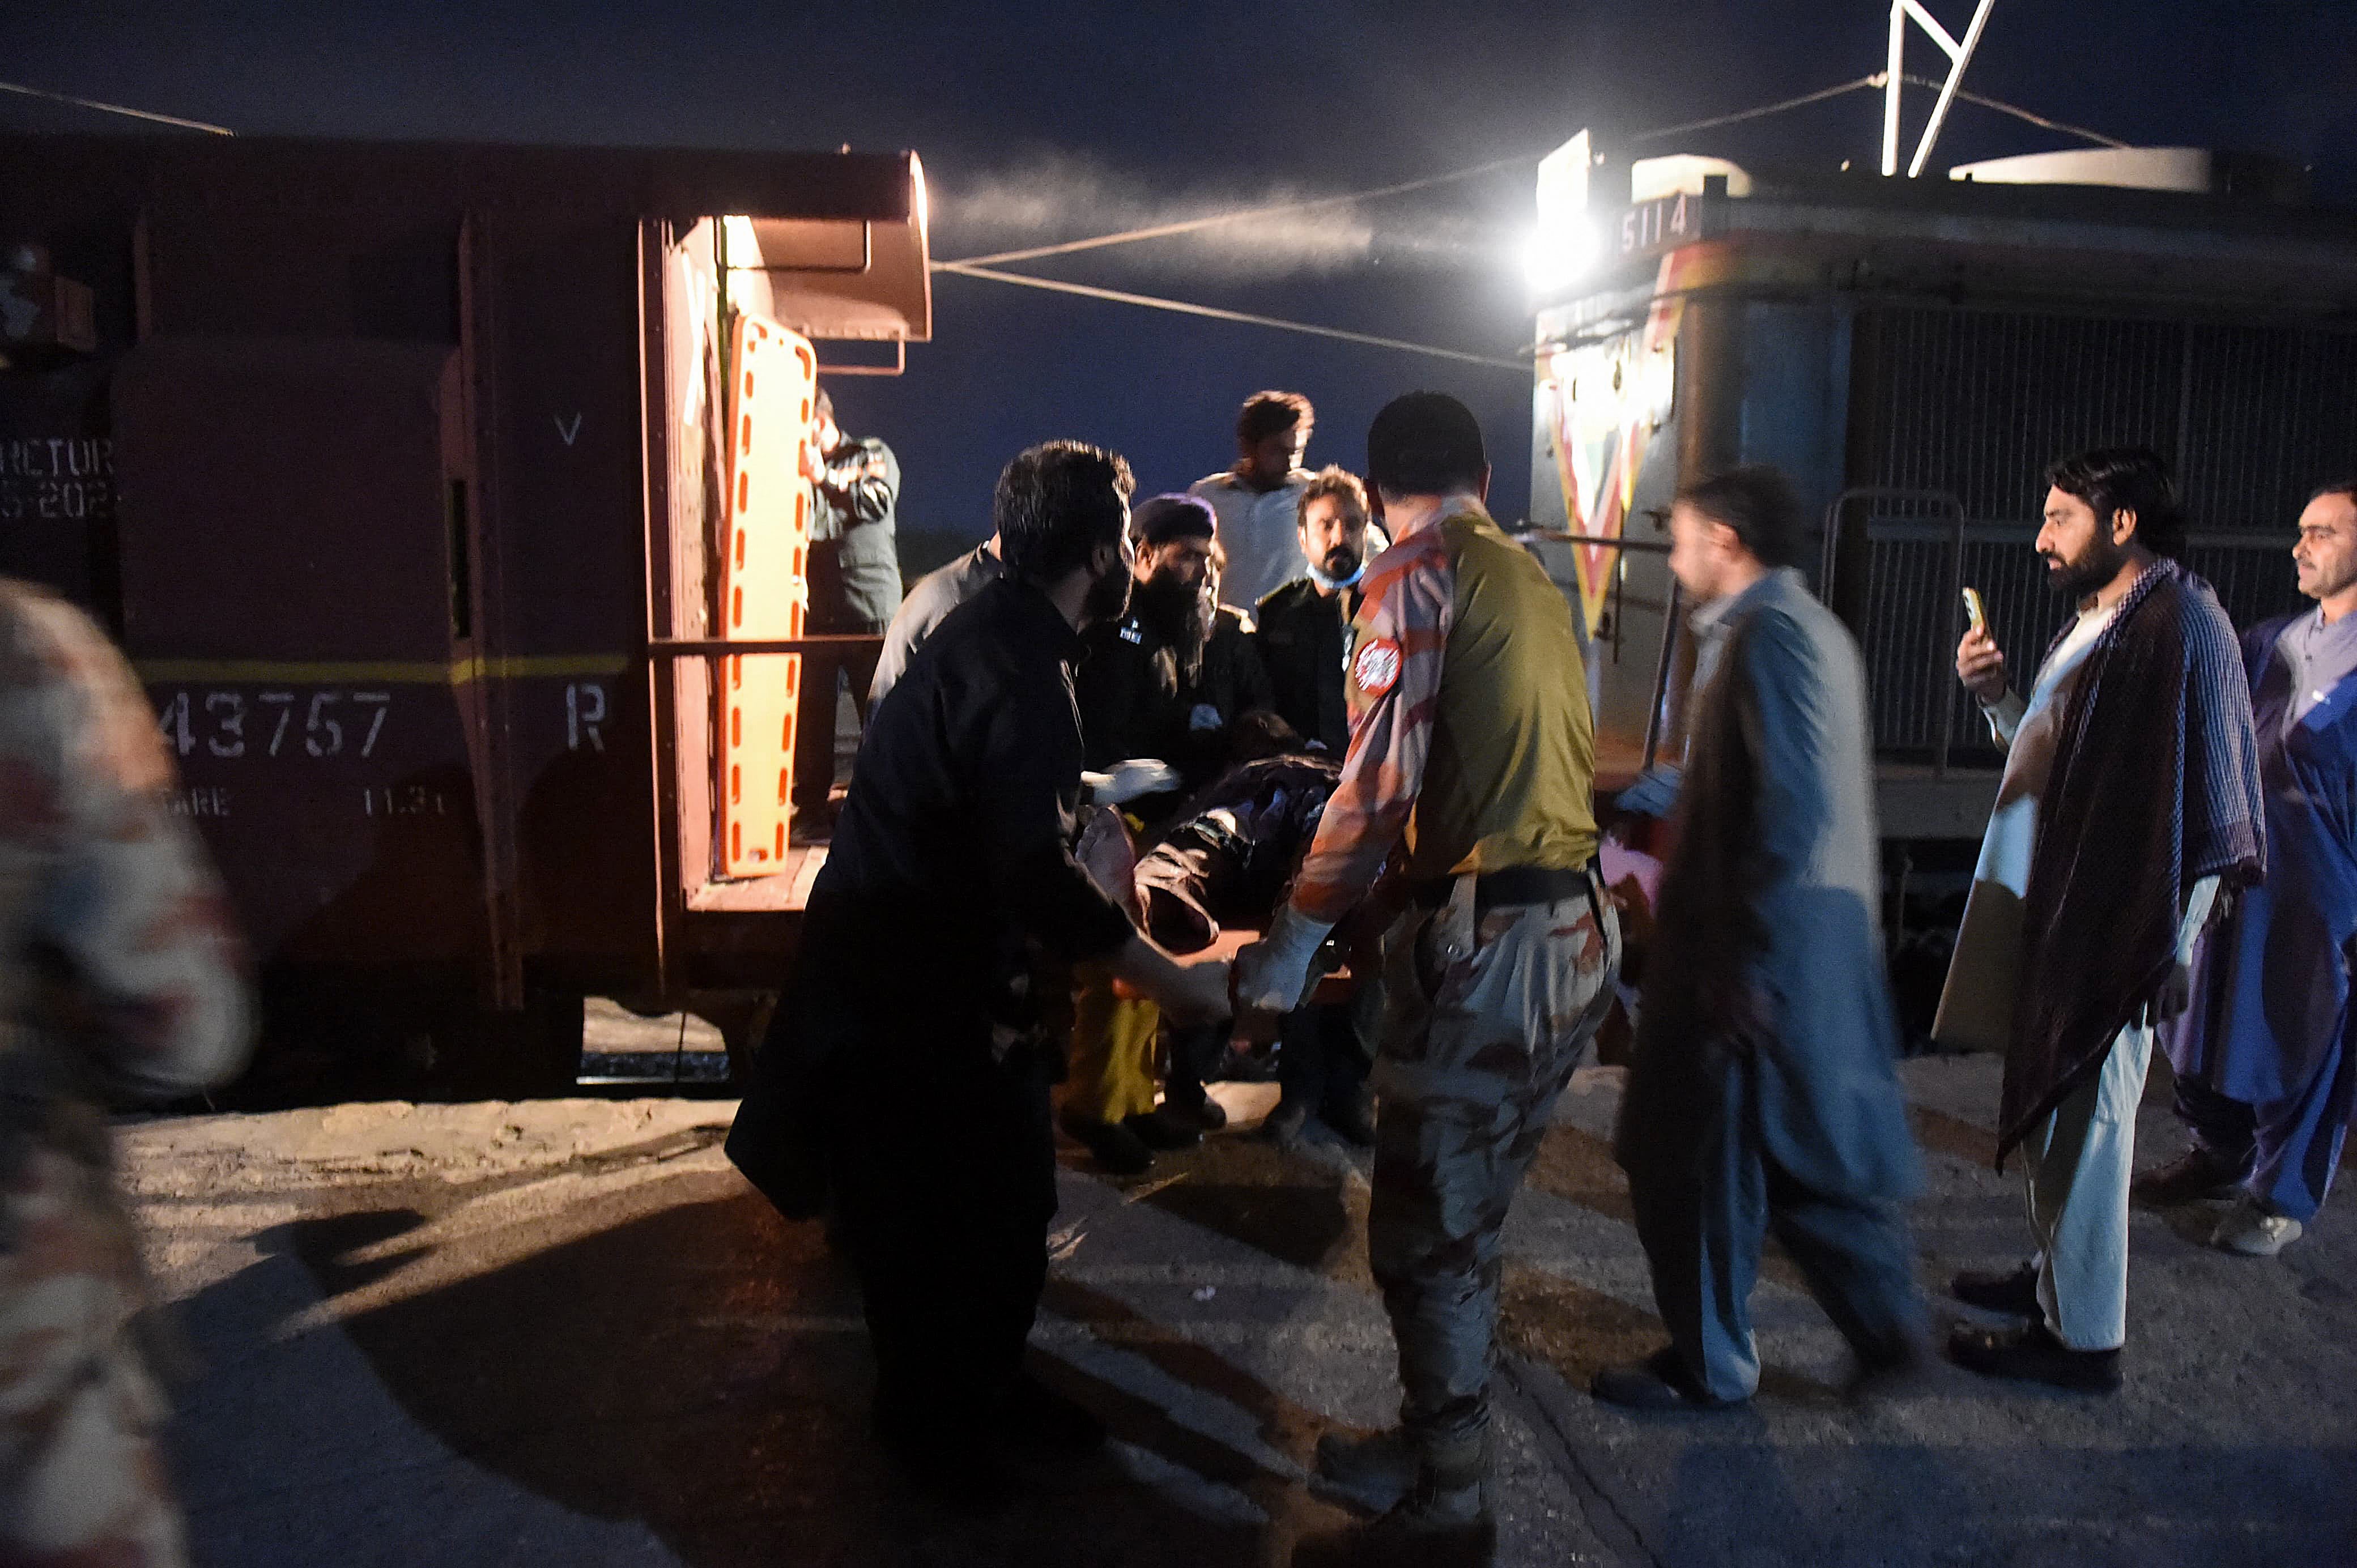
column 946, row 1463
column 2032, row 1354
column 1444, row 1519
column 1287, row 1126
column 1038, row 1420
column 1190, row 1104
column 1375, row 1472
column 1163, row 1128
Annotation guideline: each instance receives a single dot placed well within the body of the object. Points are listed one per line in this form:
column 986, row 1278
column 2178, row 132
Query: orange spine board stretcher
column 765, row 587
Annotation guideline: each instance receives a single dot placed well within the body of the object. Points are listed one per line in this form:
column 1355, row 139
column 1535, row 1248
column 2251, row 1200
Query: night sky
column 1080, row 118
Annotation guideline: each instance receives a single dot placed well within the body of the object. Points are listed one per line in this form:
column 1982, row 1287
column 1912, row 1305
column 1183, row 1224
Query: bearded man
column 1302, row 626
column 2130, row 804
column 1302, row 635
column 920, row 1106
column 1170, row 679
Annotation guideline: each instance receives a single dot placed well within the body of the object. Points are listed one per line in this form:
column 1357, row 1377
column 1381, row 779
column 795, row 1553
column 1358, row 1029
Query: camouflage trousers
column 1488, row 1011
column 81, row 1477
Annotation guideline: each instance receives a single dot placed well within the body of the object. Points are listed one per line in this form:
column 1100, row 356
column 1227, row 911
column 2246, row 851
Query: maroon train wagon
column 402, row 472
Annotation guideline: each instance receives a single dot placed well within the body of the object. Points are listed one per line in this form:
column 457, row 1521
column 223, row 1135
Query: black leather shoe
column 1116, row 1148
column 1198, row 1108
column 1038, row 1419
column 1162, row 1128
column 1657, row 1382
column 1285, row 1126
column 948, row 1468
column 1905, row 1370
column 2198, row 1177
column 2032, row 1354
column 1353, row 1118
column 2013, row 1290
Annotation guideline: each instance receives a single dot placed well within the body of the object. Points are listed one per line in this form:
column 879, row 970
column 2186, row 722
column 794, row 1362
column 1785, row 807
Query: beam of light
column 1243, row 214
column 1035, row 202
column 1005, row 200
column 1185, row 307
column 116, row 109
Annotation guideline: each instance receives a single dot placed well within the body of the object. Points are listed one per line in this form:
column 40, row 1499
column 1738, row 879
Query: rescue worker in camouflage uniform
column 1471, row 738
column 119, row 976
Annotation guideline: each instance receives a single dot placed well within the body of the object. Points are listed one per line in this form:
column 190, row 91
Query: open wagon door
column 740, row 308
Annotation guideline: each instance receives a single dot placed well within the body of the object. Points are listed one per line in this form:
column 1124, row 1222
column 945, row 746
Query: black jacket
column 952, row 863
column 1302, row 638
column 1134, row 703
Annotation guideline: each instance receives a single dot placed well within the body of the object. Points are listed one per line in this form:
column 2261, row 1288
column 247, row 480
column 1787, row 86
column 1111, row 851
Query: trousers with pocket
column 1488, row 1011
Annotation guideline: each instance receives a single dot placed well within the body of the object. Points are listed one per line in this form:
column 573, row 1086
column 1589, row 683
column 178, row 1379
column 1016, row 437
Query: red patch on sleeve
column 1376, row 666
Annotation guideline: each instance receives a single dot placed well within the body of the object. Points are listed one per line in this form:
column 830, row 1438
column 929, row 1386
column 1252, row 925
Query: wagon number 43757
column 218, row 721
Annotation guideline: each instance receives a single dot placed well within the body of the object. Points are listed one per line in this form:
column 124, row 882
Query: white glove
column 1273, row 975
column 1128, row 780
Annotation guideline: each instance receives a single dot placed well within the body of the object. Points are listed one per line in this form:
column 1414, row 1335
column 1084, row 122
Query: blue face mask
column 1331, row 583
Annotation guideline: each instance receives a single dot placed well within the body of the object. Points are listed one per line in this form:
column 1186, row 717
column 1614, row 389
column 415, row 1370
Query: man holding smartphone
column 2130, row 798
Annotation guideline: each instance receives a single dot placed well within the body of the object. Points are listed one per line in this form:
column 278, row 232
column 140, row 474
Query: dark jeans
column 1322, row 1059
column 1190, row 1052
column 944, row 1186
column 821, row 726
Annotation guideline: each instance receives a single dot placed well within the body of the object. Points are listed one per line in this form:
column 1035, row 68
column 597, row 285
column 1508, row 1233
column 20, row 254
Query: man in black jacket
column 1302, row 626
column 1302, row 632
column 1170, row 678
column 908, row 1077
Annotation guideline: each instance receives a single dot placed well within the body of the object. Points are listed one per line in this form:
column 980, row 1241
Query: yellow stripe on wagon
column 377, row 672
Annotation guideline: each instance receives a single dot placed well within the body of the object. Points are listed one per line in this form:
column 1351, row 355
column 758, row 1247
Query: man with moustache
column 907, row 1078
column 1301, row 631
column 1170, row 679
column 2265, row 1076
column 2130, row 804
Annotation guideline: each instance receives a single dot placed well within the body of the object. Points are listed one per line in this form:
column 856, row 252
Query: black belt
column 1513, row 885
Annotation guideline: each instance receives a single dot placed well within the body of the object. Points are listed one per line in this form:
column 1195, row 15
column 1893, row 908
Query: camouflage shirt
column 113, row 934
column 1470, row 735
column 119, row 976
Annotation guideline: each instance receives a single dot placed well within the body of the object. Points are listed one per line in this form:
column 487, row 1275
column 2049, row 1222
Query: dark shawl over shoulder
column 2155, row 784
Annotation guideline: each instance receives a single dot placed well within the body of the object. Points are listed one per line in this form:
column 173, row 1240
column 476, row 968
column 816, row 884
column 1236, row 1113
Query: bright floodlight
column 1558, row 254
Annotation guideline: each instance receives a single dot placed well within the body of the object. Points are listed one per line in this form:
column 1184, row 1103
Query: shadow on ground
column 691, row 1361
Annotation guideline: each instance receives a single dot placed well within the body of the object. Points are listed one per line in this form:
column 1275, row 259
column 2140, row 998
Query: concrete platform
column 567, row 1333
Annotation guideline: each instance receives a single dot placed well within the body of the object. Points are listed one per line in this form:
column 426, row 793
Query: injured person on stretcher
column 1213, row 877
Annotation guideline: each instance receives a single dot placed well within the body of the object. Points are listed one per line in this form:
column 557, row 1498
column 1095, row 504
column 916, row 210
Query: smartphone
column 1974, row 611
